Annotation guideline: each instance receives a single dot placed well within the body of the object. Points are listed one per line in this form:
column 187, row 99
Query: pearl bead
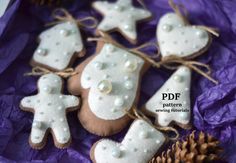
column 60, row 108
column 116, row 153
column 105, row 86
column 41, row 51
column 119, row 8
column 61, row 96
column 62, row 119
column 129, row 84
column 130, row 66
column 178, row 78
column 65, row 129
column 167, row 27
column 66, row 53
column 47, row 89
column 126, row 97
column 98, row 65
column 184, row 102
column 201, row 34
column 143, row 134
column 37, row 124
column 184, row 115
column 158, row 141
column 128, row 27
column 110, row 48
column 145, row 151
column 64, row 32
column 113, row 110
column 119, row 101
column 186, row 89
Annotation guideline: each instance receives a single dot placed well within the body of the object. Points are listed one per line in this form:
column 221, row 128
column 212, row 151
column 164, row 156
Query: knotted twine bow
column 135, row 114
column 62, row 15
column 38, row 71
column 166, row 61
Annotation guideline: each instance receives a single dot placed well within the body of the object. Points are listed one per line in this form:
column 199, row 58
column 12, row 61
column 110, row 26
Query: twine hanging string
column 62, row 15
column 183, row 15
column 135, row 114
column 39, row 71
column 166, row 61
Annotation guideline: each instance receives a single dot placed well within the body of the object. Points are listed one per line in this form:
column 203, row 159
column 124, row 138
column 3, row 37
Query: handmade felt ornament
column 49, row 107
column 139, row 144
column 61, row 44
column 179, row 42
column 3, row 6
column 121, row 16
column 108, row 83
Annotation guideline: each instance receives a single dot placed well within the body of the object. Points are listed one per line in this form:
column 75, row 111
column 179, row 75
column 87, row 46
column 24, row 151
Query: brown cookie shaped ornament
column 108, row 83
column 50, row 107
column 121, row 16
column 178, row 41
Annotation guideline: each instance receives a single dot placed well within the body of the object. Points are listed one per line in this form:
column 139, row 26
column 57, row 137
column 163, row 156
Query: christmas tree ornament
column 3, row 6
column 61, row 44
column 197, row 148
column 178, row 41
column 109, row 84
column 177, row 107
column 121, row 16
column 50, row 107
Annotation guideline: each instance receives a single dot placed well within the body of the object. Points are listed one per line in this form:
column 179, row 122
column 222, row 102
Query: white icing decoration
column 175, row 38
column 115, row 16
column 58, row 45
column 174, row 86
column 50, row 116
column 116, row 74
column 132, row 148
column 3, row 6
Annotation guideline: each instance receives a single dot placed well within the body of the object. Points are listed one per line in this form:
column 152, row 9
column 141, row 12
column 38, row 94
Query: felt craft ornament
column 121, row 16
column 108, row 83
column 61, row 44
column 3, row 6
column 178, row 42
column 139, row 145
column 50, row 107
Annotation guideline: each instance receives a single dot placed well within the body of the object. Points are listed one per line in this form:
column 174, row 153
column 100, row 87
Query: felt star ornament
column 121, row 16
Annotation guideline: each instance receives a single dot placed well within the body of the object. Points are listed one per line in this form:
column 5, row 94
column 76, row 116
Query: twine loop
column 135, row 114
column 39, row 71
column 183, row 15
column 173, row 61
column 62, row 15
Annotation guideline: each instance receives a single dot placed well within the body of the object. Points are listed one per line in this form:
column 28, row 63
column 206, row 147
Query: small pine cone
column 201, row 149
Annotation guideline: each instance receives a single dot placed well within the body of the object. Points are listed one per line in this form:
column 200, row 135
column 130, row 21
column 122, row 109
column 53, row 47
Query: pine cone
column 201, row 149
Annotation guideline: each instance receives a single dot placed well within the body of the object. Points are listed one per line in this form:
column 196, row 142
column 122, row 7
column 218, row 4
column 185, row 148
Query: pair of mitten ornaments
column 109, row 82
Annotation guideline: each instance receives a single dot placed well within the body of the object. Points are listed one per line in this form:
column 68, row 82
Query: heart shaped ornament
column 140, row 144
column 177, row 38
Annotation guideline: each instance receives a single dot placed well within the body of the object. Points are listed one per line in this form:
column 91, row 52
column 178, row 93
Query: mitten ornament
column 108, row 83
column 121, row 16
column 139, row 145
column 50, row 107
column 3, row 6
column 178, row 41
column 197, row 148
column 60, row 45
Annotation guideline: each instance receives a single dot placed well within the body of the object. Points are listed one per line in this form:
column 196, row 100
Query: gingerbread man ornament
column 50, row 107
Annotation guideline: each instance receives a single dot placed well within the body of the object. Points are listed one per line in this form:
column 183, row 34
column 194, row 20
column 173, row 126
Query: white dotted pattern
column 136, row 147
column 113, row 88
column 121, row 15
column 58, row 45
column 179, row 82
column 175, row 38
column 50, row 107
column 3, row 6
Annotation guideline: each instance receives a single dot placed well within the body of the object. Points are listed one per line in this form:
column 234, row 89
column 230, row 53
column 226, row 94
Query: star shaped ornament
column 121, row 16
